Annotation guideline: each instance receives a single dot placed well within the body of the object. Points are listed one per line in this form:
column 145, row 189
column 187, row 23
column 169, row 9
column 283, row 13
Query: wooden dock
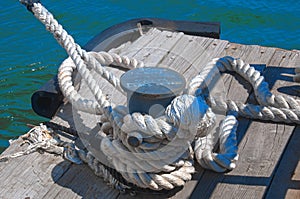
column 269, row 161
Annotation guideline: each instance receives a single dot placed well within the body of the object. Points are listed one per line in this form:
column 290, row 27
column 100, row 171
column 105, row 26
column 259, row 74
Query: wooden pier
column 269, row 161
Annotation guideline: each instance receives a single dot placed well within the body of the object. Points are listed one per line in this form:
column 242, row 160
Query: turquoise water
column 29, row 56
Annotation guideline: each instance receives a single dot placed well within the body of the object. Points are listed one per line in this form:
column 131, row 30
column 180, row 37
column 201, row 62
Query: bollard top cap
column 153, row 82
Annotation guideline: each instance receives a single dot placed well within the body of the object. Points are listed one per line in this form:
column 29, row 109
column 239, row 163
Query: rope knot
column 190, row 113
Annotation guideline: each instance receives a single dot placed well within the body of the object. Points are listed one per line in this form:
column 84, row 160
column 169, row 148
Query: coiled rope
column 163, row 156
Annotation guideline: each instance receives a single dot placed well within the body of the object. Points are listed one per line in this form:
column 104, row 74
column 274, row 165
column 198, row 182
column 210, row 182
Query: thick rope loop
column 227, row 156
column 276, row 108
column 261, row 89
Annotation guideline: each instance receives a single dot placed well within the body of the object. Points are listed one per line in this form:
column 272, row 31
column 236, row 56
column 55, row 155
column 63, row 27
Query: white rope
column 156, row 153
column 43, row 138
column 38, row 138
column 81, row 59
column 297, row 75
column 227, row 156
column 261, row 88
column 141, row 164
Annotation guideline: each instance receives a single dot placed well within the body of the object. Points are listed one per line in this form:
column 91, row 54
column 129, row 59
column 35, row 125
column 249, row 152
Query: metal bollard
column 151, row 89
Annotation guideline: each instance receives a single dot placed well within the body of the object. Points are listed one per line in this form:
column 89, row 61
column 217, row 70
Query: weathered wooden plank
column 32, row 176
column 185, row 52
column 281, row 132
column 206, row 186
column 286, row 182
column 10, row 167
column 263, row 144
column 42, row 174
column 212, row 51
column 81, row 182
column 152, row 53
column 138, row 44
column 258, row 191
column 45, row 174
column 215, row 185
column 149, row 41
column 203, row 188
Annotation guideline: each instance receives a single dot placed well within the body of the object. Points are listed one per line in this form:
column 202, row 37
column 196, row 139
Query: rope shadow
column 79, row 178
column 275, row 73
column 82, row 181
column 271, row 74
column 290, row 90
column 282, row 183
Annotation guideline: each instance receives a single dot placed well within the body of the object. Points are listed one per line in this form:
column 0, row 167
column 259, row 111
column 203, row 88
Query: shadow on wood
column 210, row 183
